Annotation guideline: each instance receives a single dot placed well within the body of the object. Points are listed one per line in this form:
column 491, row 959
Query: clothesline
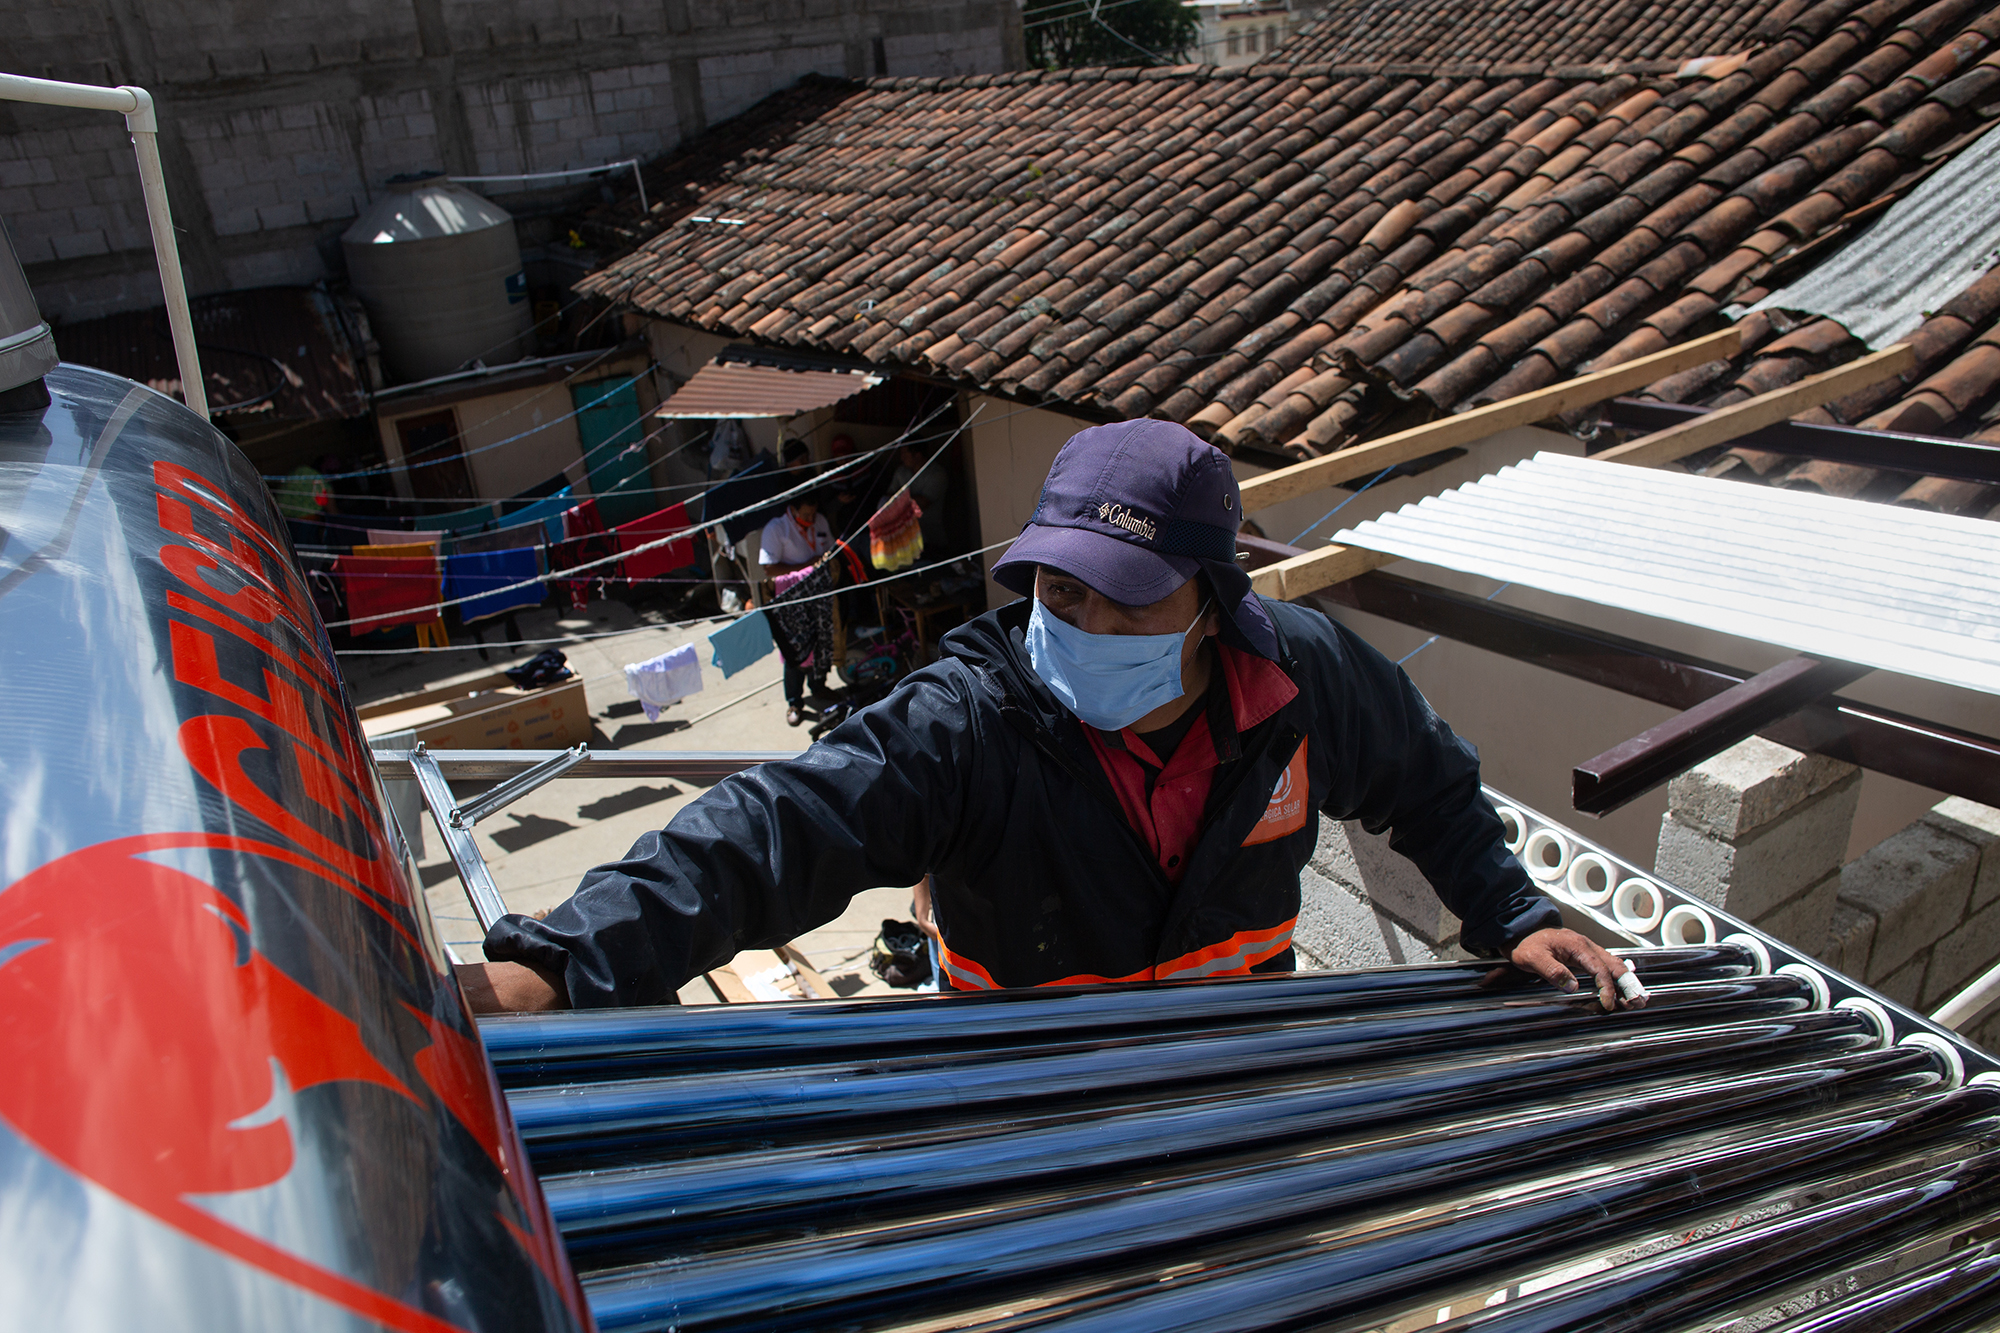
column 663, row 625
column 575, row 571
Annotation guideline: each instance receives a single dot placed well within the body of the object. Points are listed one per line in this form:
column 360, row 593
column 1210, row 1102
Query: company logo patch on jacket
column 1286, row 813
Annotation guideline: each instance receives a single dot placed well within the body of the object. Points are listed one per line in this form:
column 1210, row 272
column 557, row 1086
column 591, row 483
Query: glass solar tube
column 530, row 1048
column 1959, row 1293
column 1251, row 1216
column 1738, row 1272
column 709, row 1198
column 1362, row 1276
column 631, row 1114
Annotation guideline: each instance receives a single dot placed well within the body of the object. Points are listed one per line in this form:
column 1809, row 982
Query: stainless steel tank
column 238, row 1086
column 439, row 269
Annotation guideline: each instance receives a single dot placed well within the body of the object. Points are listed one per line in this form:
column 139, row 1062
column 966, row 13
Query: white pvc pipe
column 1970, row 1004
column 1513, row 827
column 1674, row 927
column 1546, row 854
column 1625, row 905
column 1592, row 879
column 136, row 105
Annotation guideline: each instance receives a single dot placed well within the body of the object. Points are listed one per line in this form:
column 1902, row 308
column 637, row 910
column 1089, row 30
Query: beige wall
column 1010, row 451
column 549, row 445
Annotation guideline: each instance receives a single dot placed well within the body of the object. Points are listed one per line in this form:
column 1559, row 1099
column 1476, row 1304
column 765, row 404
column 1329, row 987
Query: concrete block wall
column 279, row 121
column 1760, row 829
column 1363, row 905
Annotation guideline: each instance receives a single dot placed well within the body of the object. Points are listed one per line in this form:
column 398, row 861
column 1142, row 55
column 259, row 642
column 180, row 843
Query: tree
column 1069, row 33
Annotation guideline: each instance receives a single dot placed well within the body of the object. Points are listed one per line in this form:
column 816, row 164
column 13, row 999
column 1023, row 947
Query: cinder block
column 1979, row 825
column 291, row 214
column 605, row 80
column 1915, row 884
column 1769, row 865
column 1750, row 784
column 78, row 244
column 1337, row 929
column 1905, row 985
column 1971, row 948
column 1806, row 921
column 1849, row 936
column 1350, row 855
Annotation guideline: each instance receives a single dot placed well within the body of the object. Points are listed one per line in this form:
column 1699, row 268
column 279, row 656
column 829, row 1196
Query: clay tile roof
column 1441, row 204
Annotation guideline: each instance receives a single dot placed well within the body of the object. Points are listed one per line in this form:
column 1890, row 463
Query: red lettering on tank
column 151, row 1049
column 179, row 485
column 196, row 664
column 314, row 676
column 214, row 746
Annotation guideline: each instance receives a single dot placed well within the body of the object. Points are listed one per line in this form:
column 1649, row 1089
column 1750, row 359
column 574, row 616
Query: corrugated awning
column 1878, row 585
column 738, row 389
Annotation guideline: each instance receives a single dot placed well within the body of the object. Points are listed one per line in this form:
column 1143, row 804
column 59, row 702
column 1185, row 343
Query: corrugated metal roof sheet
column 1898, row 589
column 732, row 389
column 1926, row 249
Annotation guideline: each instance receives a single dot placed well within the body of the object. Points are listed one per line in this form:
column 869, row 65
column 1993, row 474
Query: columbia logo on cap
column 1118, row 516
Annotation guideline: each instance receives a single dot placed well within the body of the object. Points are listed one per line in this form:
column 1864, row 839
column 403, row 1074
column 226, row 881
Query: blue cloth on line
column 480, row 572
column 736, row 646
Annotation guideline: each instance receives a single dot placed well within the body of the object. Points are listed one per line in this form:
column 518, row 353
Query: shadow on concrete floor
column 620, row 802
column 527, row 831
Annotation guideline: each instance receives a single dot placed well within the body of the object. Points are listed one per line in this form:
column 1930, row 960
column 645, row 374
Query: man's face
column 804, row 513
column 1075, row 602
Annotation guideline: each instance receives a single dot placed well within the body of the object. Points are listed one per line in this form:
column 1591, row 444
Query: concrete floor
column 542, row 844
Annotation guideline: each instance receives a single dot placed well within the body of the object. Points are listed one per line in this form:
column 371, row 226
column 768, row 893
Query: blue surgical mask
column 1109, row 681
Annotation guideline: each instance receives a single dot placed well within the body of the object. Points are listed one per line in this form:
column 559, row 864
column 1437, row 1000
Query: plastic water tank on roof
column 439, row 268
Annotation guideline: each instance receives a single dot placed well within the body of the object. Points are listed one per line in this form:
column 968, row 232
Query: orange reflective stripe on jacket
column 1235, row 955
column 1239, row 953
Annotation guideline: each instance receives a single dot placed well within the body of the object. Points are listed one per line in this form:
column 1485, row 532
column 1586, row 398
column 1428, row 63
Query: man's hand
column 509, row 988
column 1554, row 954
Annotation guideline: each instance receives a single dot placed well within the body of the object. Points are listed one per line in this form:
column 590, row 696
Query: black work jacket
column 973, row 772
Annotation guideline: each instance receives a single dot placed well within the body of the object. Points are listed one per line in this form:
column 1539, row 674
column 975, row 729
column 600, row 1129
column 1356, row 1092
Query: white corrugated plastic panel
column 1896, row 589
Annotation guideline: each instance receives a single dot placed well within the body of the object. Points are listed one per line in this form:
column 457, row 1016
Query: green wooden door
column 613, row 432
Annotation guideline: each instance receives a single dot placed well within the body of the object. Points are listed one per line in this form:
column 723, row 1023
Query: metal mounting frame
column 520, row 772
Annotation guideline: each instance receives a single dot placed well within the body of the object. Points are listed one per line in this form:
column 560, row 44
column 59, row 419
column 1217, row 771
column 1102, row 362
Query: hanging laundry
column 399, row 551
column 667, row 679
column 803, row 616
column 895, row 533
column 584, row 542
column 395, row 536
column 513, row 538
column 385, row 591
column 661, row 559
column 739, row 643
column 488, row 578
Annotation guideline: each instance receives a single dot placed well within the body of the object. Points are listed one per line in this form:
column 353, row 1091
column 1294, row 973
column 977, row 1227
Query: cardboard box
column 490, row 713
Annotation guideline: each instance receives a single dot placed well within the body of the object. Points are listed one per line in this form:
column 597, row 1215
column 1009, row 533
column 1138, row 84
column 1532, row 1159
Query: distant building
column 279, row 122
column 1237, row 33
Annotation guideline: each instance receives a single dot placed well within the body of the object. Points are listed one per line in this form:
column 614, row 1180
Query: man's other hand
column 509, row 988
column 1555, row 954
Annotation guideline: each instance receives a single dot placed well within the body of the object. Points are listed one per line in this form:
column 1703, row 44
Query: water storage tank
column 439, row 269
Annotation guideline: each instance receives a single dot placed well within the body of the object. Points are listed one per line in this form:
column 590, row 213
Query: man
column 794, row 541
column 1117, row 779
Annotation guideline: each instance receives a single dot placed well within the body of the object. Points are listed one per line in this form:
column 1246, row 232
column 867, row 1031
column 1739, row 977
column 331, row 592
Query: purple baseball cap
column 1135, row 509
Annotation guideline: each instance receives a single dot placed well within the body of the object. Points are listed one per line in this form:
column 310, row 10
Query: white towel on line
column 663, row 680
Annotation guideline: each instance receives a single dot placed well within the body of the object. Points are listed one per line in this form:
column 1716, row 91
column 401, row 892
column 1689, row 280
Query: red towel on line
column 661, row 559
column 383, row 591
